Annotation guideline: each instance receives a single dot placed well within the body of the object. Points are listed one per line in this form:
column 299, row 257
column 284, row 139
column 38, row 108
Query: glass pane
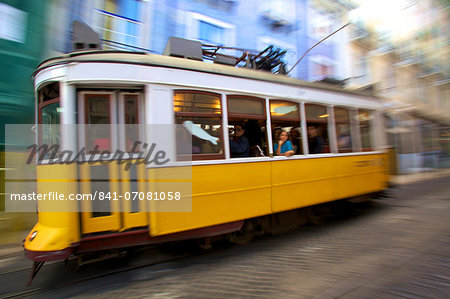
column 237, row 105
column 317, row 128
column 294, row 135
column 344, row 140
column 285, row 109
column 50, row 119
column 134, row 188
column 131, row 121
column 316, row 113
column 203, row 134
column 98, row 119
column 247, row 138
column 100, row 183
column 197, row 102
column 364, row 125
column 211, row 33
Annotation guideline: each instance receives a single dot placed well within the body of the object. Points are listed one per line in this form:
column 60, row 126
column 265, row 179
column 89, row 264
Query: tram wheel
column 238, row 238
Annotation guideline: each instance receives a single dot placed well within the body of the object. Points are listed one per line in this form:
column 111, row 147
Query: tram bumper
column 45, row 243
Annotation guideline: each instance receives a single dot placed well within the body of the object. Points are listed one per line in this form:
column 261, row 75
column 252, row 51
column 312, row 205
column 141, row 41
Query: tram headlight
column 32, row 235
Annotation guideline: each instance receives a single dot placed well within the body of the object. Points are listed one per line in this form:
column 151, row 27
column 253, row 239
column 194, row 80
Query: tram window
column 98, row 119
column 49, row 120
column 245, row 105
column 248, row 112
column 364, row 117
column 131, row 121
column 49, row 116
column 197, row 102
column 200, row 114
column 285, row 116
column 317, row 128
column 343, row 132
column 48, row 92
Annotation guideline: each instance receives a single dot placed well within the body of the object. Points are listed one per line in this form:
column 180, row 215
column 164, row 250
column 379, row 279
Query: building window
column 280, row 12
column 321, row 67
column 361, row 69
column 322, row 70
column 321, row 25
column 119, row 22
column 200, row 114
column 211, row 33
column 209, row 30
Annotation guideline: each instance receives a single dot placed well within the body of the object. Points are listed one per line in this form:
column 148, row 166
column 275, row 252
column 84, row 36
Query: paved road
column 397, row 247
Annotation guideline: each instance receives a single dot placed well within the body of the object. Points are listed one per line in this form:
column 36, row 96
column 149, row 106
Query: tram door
column 113, row 186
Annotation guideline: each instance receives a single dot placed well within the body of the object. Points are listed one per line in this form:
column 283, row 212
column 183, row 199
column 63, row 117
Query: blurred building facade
column 292, row 25
column 409, row 72
column 22, row 46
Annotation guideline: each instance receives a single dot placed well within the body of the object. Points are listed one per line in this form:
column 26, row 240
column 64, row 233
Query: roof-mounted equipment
column 184, row 48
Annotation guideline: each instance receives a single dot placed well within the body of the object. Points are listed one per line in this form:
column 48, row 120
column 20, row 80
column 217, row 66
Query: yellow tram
column 111, row 88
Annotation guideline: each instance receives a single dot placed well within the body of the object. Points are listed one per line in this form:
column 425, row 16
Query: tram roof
column 146, row 59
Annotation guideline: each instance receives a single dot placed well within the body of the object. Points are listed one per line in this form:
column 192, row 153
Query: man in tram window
column 315, row 141
column 295, row 140
column 239, row 144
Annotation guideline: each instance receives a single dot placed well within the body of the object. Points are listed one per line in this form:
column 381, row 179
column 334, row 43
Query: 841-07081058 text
column 135, row 195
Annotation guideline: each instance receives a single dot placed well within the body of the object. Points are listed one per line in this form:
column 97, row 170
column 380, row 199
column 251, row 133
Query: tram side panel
column 307, row 182
column 220, row 194
column 300, row 183
column 360, row 174
column 231, row 192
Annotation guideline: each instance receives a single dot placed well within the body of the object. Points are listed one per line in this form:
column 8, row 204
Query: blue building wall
column 252, row 28
column 301, row 70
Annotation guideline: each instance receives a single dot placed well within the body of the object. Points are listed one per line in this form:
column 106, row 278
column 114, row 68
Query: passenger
column 295, row 139
column 283, row 147
column 276, row 134
column 239, row 144
column 253, row 132
column 315, row 142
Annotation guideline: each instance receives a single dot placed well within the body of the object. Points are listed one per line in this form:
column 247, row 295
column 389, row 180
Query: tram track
column 44, row 289
column 155, row 256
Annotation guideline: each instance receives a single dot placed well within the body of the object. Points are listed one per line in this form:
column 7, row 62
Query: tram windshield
column 49, row 117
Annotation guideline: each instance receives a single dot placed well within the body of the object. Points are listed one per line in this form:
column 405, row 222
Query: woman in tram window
column 283, row 147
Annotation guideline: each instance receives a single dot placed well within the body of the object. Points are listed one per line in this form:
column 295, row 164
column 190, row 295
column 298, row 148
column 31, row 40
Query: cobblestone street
column 397, row 247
